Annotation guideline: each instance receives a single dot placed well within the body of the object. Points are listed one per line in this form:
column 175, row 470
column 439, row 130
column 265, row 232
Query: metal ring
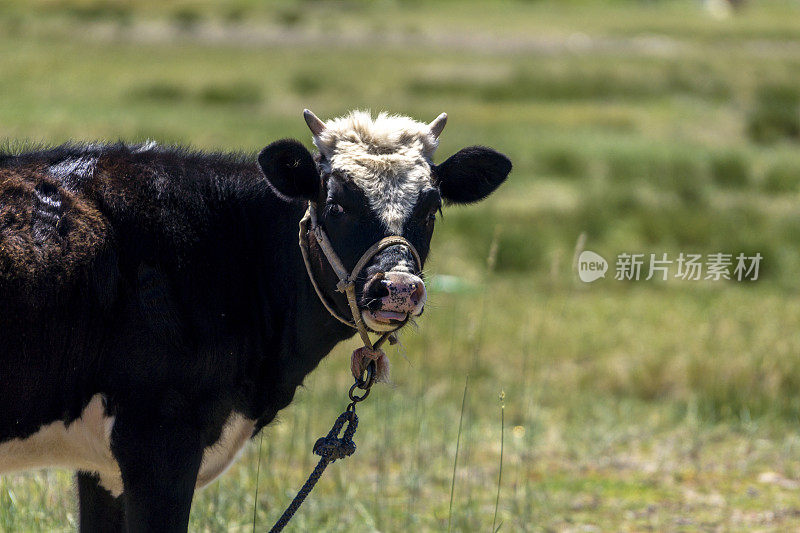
column 366, row 383
column 355, row 398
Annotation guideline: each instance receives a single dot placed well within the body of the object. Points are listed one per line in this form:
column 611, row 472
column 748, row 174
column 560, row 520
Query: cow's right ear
column 290, row 169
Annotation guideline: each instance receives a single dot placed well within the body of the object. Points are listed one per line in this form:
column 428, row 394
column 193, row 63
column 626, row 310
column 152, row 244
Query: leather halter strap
column 347, row 280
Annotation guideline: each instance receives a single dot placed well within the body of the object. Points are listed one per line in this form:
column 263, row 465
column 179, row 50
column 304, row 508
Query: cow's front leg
column 159, row 461
column 100, row 512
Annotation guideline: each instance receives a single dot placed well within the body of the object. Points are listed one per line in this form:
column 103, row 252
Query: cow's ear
column 290, row 169
column 471, row 174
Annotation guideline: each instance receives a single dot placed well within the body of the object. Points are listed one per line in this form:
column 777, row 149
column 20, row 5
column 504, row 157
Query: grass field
column 646, row 127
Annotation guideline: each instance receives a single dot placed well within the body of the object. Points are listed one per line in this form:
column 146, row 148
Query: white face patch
column 388, row 158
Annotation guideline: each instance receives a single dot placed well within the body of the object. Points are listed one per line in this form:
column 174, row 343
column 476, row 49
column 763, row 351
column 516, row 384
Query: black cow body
column 168, row 282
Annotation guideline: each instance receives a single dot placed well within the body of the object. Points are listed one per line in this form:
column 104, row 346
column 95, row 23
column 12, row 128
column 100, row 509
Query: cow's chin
column 383, row 321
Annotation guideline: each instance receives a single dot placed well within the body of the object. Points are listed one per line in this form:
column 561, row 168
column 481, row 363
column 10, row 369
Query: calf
column 155, row 308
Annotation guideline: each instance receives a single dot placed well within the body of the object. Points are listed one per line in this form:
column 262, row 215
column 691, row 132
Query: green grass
column 648, row 127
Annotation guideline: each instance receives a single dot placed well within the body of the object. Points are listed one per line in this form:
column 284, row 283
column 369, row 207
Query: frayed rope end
column 362, row 357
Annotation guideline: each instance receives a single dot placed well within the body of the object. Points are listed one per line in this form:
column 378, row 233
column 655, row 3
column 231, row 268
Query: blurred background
column 525, row 400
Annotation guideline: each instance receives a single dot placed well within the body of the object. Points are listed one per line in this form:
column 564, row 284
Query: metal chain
column 331, row 447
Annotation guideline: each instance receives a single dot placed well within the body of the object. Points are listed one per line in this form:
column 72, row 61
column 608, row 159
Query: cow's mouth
column 381, row 321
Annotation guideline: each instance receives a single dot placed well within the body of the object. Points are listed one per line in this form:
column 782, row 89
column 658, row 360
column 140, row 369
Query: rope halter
column 347, row 280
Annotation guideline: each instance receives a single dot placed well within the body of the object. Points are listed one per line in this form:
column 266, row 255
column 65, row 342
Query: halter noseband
column 347, row 280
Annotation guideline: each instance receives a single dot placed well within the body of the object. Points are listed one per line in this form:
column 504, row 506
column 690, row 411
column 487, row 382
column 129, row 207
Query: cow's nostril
column 375, row 289
column 418, row 291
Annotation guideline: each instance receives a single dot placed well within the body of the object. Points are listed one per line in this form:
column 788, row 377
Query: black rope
column 331, row 447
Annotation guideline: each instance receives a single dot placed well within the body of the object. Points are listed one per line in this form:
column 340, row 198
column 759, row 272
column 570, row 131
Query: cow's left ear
column 471, row 174
column 290, row 169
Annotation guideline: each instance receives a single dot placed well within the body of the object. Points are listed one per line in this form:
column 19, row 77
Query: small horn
column 437, row 125
column 314, row 123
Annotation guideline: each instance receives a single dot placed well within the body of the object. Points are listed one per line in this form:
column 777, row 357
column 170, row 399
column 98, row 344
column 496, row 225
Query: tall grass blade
column 258, row 475
column 500, row 473
column 455, row 460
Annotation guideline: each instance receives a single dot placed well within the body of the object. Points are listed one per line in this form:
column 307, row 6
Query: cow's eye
column 431, row 217
column 335, row 209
